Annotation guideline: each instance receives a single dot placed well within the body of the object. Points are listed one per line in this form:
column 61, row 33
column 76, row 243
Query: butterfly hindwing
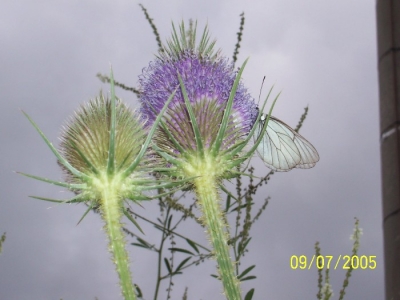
column 282, row 149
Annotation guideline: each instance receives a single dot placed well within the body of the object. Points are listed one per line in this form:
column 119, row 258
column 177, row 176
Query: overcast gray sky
column 318, row 53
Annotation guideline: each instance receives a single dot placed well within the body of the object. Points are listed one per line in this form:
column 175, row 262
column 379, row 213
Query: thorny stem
column 209, row 201
column 111, row 213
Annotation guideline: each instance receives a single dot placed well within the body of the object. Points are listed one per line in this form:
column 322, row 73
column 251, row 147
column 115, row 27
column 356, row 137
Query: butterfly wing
column 282, row 149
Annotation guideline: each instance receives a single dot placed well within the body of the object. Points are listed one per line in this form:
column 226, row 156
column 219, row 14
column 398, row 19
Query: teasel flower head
column 212, row 112
column 204, row 132
column 105, row 143
column 85, row 144
column 104, row 154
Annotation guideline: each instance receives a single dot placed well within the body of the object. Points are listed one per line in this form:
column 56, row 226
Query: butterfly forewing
column 282, row 149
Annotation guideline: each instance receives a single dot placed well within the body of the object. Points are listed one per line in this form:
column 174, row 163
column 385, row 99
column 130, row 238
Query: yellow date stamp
column 345, row 262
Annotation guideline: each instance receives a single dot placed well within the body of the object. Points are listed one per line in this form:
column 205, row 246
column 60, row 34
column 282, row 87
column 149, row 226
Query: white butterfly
column 282, row 149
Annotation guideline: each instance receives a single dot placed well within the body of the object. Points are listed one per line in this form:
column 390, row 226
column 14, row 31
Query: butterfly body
column 282, row 148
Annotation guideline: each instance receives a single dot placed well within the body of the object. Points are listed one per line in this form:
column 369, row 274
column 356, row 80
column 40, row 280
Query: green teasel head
column 104, row 153
column 104, row 148
column 85, row 145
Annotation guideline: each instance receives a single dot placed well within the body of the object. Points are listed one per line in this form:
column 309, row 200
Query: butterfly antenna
column 258, row 104
column 259, row 96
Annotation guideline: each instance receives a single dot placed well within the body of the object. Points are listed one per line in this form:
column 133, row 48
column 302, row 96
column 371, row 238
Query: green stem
column 160, row 252
column 111, row 212
column 209, row 200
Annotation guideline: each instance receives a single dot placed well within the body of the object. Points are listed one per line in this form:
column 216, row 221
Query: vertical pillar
column 388, row 27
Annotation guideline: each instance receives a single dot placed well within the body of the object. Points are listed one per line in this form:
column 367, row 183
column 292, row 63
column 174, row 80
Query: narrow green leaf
column 228, row 203
column 137, row 160
column 111, row 149
column 234, row 147
column 259, row 138
column 130, row 218
column 181, row 250
column 143, row 242
column 58, row 183
column 183, row 262
column 169, row 158
column 192, row 36
column 248, row 278
column 167, row 265
column 251, row 133
column 193, row 245
column 169, row 222
column 143, row 197
column 236, row 174
column 85, row 159
column 240, row 207
column 175, row 37
column 245, row 272
column 165, row 184
column 141, row 245
column 227, row 112
column 193, row 121
column 227, row 192
column 138, row 291
column 240, row 249
column 249, row 295
column 246, row 243
column 78, row 198
column 2, row 240
column 60, row 158
column 86, row 212
column 203, row 40
column 171, row 137
column 183, row 35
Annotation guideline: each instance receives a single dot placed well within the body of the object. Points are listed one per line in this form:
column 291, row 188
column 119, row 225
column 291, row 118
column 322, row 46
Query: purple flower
column 203, row 131
column 208, row 83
